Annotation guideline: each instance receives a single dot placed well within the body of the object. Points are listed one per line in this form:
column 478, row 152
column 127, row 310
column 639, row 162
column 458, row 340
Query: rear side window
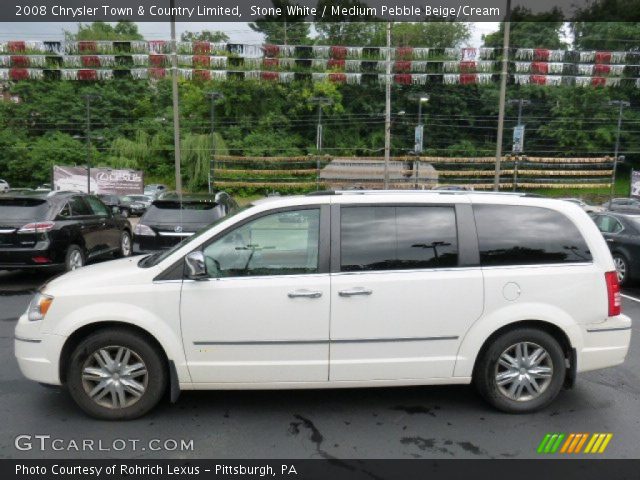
column 397, row 238
column 79, row 207
column 516, row 235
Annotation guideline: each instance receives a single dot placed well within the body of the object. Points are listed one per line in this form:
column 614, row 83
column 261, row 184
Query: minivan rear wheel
column 116, row 374
column 521, row 371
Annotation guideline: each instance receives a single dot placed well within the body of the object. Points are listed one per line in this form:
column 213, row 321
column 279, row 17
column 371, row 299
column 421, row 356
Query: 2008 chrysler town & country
column 346, row 289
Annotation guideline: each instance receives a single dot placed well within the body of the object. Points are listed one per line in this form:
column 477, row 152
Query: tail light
column 144, row 230
column 613, row 293
column 38, row 227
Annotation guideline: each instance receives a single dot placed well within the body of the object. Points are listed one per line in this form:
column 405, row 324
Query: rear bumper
column 148, row 244
column 605, row 344
column 22, row 258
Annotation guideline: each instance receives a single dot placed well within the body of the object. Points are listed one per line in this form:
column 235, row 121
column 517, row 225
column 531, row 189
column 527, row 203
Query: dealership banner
column 100, row 180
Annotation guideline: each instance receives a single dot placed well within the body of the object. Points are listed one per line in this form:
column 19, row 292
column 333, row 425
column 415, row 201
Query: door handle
column 355, row 291
column 610, row 240
column 304, row 294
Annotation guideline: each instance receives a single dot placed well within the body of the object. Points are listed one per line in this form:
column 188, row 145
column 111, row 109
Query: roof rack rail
column 415, row 192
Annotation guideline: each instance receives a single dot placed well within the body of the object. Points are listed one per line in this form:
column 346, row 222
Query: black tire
column 486, row 370
column 624, row 272
column 74, row 258
column 113, row 338
column 122, row 251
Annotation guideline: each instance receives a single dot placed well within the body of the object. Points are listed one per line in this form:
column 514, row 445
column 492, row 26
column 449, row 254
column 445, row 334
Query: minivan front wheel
column 116, row 374
column 521, row 371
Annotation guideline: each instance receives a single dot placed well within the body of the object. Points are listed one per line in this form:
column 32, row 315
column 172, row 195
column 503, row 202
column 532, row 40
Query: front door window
column 284, row 243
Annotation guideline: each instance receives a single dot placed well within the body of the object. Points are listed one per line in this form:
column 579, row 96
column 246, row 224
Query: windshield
column 155, row 258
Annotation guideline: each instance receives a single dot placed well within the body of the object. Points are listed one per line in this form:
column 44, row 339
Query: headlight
column 145, row 230
column 39, row 307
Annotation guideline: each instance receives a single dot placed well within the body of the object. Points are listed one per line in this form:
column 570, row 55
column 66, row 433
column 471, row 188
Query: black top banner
column 311, row 10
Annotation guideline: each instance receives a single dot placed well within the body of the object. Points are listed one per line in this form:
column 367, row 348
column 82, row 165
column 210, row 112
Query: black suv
column 60, row 230
column 168, row 221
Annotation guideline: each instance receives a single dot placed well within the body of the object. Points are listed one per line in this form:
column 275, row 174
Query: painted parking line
column 630, row 297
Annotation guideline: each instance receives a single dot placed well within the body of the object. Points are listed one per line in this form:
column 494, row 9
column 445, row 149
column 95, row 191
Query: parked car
column 45, row 187
column 145, row 200
column 357, row 294
column 60, row 231
column 622, row 233
column 168, row 220
column 453, row 188
column 131, row 207
column 110, row 200
column 584, row 205
column 4, row 186
column 623, row 205
column 155, row 189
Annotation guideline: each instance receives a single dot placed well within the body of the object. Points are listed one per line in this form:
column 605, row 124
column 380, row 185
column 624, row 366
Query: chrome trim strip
column 359, row 340
column 265, row 342
column 28, row 340
column 8, row 230
column 175, row 234
column 613, row 329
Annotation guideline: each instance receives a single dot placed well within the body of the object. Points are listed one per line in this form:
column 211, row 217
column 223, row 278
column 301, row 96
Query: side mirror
column 115, row 210
column 196, row 266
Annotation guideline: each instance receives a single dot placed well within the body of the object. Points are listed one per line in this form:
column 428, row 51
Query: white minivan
column 340, row 289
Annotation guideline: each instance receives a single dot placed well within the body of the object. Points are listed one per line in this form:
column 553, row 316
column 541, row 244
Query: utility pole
column 620, row 104
column 213, row 96
column 503, row 93
column 88, row 98
column 176, row 106
column 320, row 101
column 387, row 119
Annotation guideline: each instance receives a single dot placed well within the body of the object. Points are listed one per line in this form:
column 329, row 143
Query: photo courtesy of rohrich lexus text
column 319, row 239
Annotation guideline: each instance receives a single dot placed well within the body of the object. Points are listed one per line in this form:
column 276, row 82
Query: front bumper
column 605, row 344
column 38, row 354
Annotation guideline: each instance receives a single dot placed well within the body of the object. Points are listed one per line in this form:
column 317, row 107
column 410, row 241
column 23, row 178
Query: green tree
column 285, row 28
column 529, row 30
column 123, row 30
column 608, row 25
column 205, row 36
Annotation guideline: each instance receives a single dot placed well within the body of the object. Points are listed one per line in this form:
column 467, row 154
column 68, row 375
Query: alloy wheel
column 75, row 260
column 523, row 371
column 621, row 268
column 115, row 377
column 126, row 245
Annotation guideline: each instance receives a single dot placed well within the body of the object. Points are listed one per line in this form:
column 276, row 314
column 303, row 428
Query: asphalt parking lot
column 425, row 422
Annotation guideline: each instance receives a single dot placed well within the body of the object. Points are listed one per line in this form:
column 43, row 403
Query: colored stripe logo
column 574, row 443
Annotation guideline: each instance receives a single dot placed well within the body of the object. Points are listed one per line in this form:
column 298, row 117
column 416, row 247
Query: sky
column 237, row 32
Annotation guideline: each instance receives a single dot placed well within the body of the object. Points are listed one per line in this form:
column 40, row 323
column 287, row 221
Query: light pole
column 320, row 101
column 89, row 97
column 213, row 96
column 424, row 98
column 620, row 104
